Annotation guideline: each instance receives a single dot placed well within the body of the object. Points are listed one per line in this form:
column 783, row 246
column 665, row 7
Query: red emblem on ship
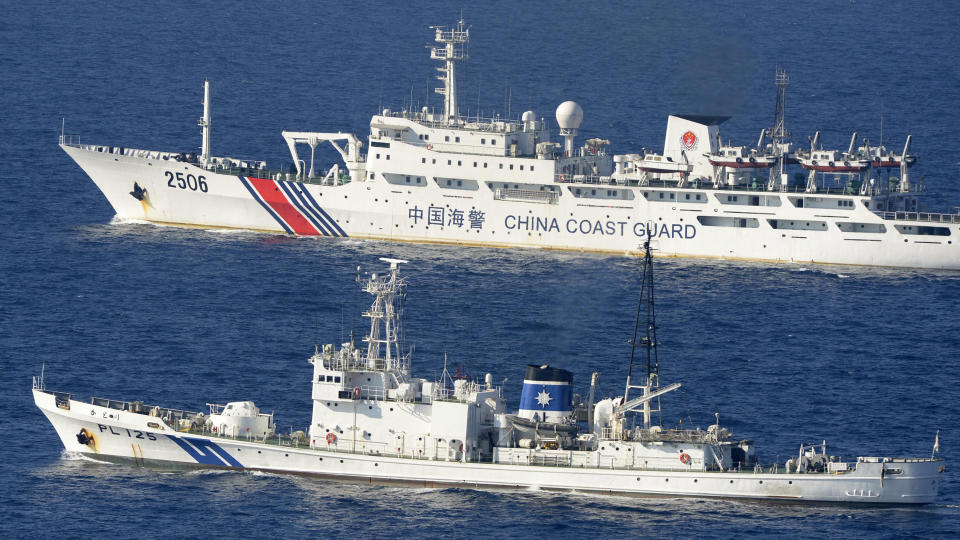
column 689, row 140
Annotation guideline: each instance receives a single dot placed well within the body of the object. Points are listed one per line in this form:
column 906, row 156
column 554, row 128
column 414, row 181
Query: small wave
column 205, row 472
column 118, row 220
column 227, row 231
column 77, row 456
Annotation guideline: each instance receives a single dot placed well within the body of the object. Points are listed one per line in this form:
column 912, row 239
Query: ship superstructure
column 440, row 177
column 375, row 422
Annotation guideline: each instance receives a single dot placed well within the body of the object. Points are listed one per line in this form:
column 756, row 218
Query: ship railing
column 928, row 217
column 587, row 179
column 494, row 124
column 170, row 416
column 61, row 399
column 872, row 459
column 754, row 187
column 372, row 392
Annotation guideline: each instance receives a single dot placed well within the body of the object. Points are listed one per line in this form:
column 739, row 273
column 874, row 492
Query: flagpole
column 936, row 445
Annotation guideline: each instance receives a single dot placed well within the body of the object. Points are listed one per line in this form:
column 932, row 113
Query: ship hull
column 123, row 436
column 585, row 222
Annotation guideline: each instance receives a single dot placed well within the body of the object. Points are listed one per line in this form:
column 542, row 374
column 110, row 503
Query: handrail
column 928, row 217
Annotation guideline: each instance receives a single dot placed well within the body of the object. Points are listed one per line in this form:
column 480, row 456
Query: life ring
column 356, row 392
column 846, row 163
column 814, row 163
column 331, row 438
column 563, row 177
column 684, row 458
column 429, row 146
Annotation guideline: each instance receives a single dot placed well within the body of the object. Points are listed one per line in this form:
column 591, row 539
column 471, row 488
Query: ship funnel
column 546, row 395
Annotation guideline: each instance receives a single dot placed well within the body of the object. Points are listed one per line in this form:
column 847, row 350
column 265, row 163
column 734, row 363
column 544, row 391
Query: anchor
column 84, row 437
column 138, row 192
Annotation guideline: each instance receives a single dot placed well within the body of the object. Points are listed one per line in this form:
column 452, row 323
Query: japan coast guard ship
column 439, row 177
column 374, row 422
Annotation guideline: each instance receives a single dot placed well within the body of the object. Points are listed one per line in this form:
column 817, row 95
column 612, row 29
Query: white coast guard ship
column 440, row 177
column 374, row 422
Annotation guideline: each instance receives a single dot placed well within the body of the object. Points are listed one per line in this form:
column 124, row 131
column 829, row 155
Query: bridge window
column 457, row 139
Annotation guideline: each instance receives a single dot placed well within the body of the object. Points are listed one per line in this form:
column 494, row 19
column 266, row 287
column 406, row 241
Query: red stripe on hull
column 826, row 168
column 743, row 165
column 272, row 195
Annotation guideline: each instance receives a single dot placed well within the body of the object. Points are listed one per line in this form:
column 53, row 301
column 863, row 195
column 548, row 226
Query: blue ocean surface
column 864, row 358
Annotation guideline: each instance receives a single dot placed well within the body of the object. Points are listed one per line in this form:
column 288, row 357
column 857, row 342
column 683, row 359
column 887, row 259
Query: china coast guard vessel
column 373, row 421
column 439, row 177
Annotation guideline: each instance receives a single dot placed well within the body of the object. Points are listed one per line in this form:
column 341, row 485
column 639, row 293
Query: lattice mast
column 454, row 49
column 649, row 361
column 778, row 133
column 384, row 341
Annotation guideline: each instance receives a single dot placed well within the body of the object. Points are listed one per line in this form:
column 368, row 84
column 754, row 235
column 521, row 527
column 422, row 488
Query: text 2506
column 186, row 181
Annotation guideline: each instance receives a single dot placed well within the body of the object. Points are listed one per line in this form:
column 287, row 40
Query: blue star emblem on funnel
column 543, row 398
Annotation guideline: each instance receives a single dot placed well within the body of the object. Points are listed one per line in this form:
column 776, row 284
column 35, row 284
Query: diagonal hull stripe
column 272, row 195
column 330, row 220
column 205, row 452
column 317, row 212
column 301, row 205
column 265, row 206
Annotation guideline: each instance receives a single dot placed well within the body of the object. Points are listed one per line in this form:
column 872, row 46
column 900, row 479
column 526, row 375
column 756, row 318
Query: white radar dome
column 528, row 116
column 569, row 115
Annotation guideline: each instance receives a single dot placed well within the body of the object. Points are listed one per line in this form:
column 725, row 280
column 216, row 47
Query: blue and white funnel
column 547, row 394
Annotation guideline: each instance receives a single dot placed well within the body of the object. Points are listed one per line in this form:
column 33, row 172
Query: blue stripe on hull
column 294, row 196
column 204, row 451
column 330, row 220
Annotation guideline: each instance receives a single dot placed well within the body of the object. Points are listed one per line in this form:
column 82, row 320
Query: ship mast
column 453, row 50
column 650, row 382
column 779, row 134
column 204, row 124
column 384, row 314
